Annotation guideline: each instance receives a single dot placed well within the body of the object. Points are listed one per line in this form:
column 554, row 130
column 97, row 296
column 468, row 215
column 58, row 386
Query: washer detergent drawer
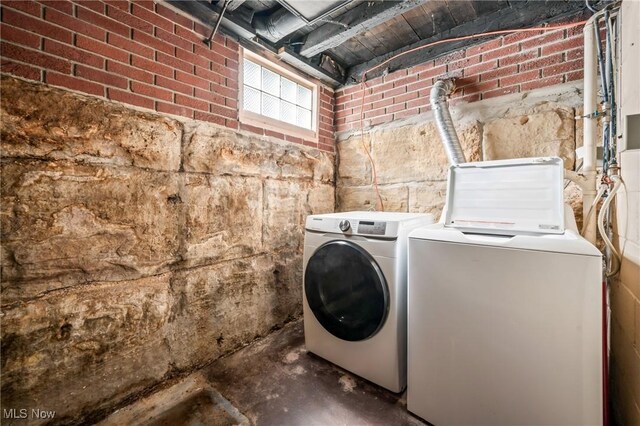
column 500, row 336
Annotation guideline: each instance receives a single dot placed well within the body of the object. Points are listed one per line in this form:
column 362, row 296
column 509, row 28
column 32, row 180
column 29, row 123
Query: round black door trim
column 346, row 290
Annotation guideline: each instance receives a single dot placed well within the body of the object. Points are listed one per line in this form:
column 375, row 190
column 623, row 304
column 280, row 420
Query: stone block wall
column 411, row 164
column 137, row 246
column 142, row 53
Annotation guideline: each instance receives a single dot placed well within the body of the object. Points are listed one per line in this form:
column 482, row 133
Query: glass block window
column 275, row 96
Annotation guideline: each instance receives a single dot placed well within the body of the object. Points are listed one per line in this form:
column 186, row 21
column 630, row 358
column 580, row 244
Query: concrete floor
column 275, row 381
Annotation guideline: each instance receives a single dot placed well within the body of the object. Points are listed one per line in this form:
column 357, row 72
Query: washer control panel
column 372, row 228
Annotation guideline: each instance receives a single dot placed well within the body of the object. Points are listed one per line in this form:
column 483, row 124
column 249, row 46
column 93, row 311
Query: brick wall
column 136, row 52
column 508, row 64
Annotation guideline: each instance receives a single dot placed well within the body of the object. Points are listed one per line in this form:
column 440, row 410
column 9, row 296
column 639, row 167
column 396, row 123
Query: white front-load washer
column 355, row 278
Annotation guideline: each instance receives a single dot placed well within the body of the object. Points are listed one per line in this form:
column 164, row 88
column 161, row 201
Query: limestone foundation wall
column 411, row 164
column 136, row 246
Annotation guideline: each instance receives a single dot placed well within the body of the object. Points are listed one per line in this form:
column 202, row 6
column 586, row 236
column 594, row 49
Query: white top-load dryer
column 505, row 304
column 355, row 279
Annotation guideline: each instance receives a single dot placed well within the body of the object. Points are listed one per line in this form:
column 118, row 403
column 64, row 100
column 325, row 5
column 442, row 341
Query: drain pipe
column 590, row 126
column 440, row 106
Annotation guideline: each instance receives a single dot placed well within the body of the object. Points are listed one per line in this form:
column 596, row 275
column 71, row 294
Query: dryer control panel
column 372, row 228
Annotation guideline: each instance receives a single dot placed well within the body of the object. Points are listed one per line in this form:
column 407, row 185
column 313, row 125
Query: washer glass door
column 346, row 290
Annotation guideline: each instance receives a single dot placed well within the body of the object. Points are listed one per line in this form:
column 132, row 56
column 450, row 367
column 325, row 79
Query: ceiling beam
column 234, row 4
column 518, row 15
column 355, row 21
column 207, row 14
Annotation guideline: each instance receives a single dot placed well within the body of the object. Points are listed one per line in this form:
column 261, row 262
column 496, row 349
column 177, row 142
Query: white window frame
column 258, row 120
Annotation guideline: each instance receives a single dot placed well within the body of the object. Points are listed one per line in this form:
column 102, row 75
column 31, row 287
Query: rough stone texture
column 543, row 133
column 38, row 122
column 70, row 350
column 137, row 247
column 415, row 153
column 411, row 163
column 78, row 223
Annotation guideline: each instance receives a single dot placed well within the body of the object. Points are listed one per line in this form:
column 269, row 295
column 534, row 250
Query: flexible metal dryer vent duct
column 278, row 25
column 440, row 107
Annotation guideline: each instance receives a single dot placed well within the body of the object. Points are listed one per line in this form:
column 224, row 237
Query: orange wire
column 446, row 40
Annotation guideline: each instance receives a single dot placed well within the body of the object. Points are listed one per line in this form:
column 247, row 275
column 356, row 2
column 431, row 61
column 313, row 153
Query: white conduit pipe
column 590, row 126
column 617, row 182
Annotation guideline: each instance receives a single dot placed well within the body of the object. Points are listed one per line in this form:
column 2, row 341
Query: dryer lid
column 507, row 197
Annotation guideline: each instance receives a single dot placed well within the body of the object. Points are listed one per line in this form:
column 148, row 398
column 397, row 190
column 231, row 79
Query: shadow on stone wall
column 137, row 246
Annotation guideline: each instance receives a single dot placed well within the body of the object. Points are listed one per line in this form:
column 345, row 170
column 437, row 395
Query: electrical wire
column 435, row 43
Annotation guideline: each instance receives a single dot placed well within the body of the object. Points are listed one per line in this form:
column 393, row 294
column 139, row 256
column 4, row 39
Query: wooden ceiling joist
column 357, row 20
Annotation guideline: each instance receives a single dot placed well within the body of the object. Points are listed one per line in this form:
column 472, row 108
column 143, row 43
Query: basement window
column 275, row 98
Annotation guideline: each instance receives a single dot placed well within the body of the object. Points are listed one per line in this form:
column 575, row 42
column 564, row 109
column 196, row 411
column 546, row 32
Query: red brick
column 101, row 48
column 463, row 63
column 192, row 80
column 33, row 57
column 130, row 72
column 218, row 49
column 209, row 96
column 21, row 70
column 73, row 83
column 519, row 58
column 95, row 5
column 480, row 68
column 449, row 57
column 74, row 24
column 541, row 63
column 574, row 75
column 419, row 102
column 562, row 68
column 173, row 39
column 519, row 36
column 129, row 98
column 102, row 21
column 19, row 36
column 481, row 87
column 223, row 111
column 406, row 113
column 141, row 10
column 483, row 47
column 498, row 72
column 73, row 54
column 151, row 91
column 188, row 34
column 562, row 46
column 574, row 54
column 420, row 85
column 252, row 129
column 151, row 66
column 548, row 37
column 503, row 51
column 432, row 72
column 120, row 4
column 225, row 91
column 500, row 92
column 405, row 97
column 192, row 58
column 174, row 109
column 101, row 76
column 35, row 25
column 212, row 118
column 176, row 86
column 128, row 19
column 61, row 5
column 29, row 7
column 520, row 78
column 174, row 16
column 173, row 62
column 129, row 45
column 416, row 69
column 150, row 41
column 541, row 83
